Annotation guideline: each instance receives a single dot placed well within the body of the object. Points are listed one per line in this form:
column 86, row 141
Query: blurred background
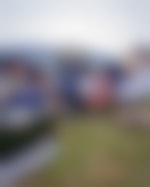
column 74, row 93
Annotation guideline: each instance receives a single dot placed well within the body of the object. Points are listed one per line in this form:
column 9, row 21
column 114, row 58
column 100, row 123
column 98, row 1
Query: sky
column 108, row 24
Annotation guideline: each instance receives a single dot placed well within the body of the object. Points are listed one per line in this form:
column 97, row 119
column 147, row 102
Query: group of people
column 28, row 90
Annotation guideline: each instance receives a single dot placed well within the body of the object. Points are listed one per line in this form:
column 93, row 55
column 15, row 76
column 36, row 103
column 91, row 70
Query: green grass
column 96, row 153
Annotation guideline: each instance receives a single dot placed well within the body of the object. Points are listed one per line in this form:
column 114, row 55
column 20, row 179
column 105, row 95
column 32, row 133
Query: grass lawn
column 96, row 153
